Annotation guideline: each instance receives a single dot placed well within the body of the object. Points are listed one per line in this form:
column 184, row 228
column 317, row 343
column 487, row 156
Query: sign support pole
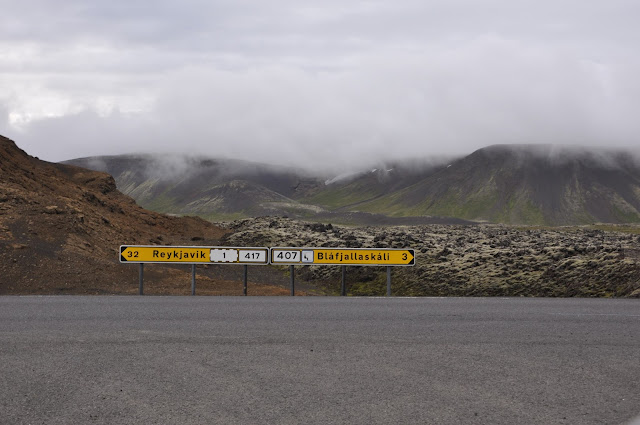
column 388, row 281
column 193, row 279
column 293, row 281
column 246, row 272
column 343, row 287
column 141, row 280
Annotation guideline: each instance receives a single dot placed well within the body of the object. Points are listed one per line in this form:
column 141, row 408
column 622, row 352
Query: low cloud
column 326, row 91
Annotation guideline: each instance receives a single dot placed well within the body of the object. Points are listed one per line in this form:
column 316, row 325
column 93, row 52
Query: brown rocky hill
column 61, row 227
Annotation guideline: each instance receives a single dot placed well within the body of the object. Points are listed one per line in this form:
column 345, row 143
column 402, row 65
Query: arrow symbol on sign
column 411, row 256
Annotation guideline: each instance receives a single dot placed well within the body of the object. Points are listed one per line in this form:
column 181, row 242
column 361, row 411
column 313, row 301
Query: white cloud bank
column 326, row 85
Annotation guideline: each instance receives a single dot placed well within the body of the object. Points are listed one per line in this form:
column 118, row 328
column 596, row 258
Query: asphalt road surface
column 307, row 360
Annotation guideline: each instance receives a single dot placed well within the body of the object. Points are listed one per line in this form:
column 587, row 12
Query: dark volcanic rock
column 477, row 260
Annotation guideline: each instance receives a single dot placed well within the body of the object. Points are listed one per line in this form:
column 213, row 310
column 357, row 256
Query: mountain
column 211, row 188
column 346, row 193
column 61, row 227
column 533, row 184
column 223, row 189
column 512, row 184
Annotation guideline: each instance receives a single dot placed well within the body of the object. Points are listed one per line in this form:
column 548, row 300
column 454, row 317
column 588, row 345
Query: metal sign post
column 193, row 279
column 295, row 256
column 246, row 273
column 291, row 256
column 142, row 254
column 141, row 279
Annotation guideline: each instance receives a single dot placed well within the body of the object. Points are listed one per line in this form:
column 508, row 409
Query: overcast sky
column 324, row 84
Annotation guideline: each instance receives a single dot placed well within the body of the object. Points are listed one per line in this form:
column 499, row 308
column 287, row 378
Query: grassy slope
column 498, row 189
column 338, row 197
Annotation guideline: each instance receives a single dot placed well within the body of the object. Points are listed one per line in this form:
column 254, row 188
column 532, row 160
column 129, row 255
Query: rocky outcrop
column 469, row 260
column 61, row 227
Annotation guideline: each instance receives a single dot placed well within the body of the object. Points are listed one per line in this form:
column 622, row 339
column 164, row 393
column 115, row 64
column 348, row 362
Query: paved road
column 202, row 360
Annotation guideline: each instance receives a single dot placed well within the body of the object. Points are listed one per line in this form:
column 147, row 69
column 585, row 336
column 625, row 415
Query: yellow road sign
column 193, row 254
column 343, row 256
